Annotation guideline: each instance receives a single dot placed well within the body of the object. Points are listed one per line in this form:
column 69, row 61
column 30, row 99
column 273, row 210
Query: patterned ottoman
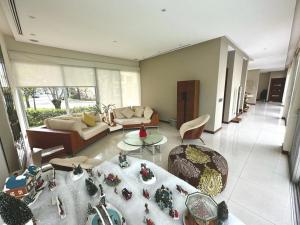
column 200, row 166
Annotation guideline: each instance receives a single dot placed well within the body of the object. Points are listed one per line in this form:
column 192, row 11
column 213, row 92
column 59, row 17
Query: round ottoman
column 200, row 166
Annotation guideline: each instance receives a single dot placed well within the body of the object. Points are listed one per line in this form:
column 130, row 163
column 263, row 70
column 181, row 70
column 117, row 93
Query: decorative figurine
column 51, row 184
column 112, row 180
column 181, row 190
column 123, row 163
column 101, row 190
column 77, row 172
column 26, row 186
column 143, row 132
column 115, row 190
column 146, row 194
column 91, row 187
column 174, row 214
column 148, row 221
column 163, row 197
column 60, row 208
column 222, row 211
column 126, row 194
column 146, row 208
column 146, row 175
column 14, row 211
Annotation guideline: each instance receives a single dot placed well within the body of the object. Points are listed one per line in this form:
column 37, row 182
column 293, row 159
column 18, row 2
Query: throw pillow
column 89, row 120
column 138, row 111
column 118, row 113
column 128, row 113
column 148, row 112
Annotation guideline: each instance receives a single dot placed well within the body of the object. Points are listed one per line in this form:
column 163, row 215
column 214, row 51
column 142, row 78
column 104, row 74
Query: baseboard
column 212, row 132
column 251, row 103
column 283, row 118
column 284, row 152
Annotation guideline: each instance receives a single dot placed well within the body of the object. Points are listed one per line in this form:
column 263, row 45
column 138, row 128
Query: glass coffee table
column 152, row 142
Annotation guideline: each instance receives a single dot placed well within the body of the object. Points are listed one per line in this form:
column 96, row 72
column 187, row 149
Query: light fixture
column 32, row 17
column 114, row 41
column 32, row 34
column 163, row 10
column 33, row 40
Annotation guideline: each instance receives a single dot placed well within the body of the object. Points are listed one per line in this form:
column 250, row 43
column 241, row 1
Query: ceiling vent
column 15, row 15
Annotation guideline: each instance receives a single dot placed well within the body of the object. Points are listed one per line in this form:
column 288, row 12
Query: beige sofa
column 133, row 117
column 66, row 130
column 74, row 123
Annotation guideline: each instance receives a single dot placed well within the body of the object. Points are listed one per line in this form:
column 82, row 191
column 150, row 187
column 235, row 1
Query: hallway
column 258, row 189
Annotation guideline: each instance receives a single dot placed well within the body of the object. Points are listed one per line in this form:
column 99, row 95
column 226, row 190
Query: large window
column 81, row 98
column 49, row 90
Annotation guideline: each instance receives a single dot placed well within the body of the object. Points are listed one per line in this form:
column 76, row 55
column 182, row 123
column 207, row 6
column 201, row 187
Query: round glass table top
column 133, row 138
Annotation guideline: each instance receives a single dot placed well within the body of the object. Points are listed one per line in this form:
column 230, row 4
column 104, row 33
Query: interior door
column 276, row 89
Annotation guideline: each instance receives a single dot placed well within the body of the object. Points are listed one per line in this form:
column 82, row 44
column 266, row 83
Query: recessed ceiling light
column 32, row 17
column 114, row 41
column 33, row 40
column 163, row 10
column 32, row 34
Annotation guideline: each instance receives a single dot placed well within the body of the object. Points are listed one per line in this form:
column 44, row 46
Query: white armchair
column 194, row 128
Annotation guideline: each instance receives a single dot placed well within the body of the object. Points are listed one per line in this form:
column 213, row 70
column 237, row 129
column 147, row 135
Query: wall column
column 293, row 110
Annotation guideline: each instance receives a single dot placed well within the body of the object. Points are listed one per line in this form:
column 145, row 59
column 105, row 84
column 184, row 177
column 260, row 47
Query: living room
column 90, row 97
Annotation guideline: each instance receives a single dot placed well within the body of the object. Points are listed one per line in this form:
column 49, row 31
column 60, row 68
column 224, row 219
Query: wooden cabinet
column 187, row 101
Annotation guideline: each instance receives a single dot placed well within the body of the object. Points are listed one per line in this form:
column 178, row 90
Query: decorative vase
column 143, row 132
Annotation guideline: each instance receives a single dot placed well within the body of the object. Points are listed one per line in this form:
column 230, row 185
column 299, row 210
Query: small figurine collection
column 146, row 175
column 27, row 186
column 123, row 163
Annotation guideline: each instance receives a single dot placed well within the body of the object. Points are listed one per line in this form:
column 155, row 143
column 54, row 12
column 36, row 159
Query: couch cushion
column 118, row 113
column 128, row 113
column 71, row 117
column 133, row 120
column 138, row 111
column 148, row 112
column 59, row 124
column 93, row 131
column 89, row 120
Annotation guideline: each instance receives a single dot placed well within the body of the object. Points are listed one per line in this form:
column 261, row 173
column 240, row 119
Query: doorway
column 276, row 89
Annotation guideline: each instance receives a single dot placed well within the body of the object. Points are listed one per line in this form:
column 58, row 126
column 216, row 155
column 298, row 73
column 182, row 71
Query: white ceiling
column 138, row 29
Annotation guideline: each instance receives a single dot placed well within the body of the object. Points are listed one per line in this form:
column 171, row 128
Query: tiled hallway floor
column 258, row 187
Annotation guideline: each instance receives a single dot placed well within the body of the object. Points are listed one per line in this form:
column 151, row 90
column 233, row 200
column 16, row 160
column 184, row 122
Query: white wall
column 159, row 76
column 263, row 84
column 235, row 66
column 252, row 85
column 290, row 87
column 243, row 82
column 293, row 111
column 4, row 170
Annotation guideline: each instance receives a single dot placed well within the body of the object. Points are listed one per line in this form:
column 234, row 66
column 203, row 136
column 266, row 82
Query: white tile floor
column 258, row 187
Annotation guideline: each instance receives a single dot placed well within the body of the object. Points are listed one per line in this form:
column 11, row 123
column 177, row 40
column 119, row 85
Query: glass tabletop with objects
column 152, row 138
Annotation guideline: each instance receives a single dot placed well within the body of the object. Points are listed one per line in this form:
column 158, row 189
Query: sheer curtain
column 109, row 87
column 131, row 88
